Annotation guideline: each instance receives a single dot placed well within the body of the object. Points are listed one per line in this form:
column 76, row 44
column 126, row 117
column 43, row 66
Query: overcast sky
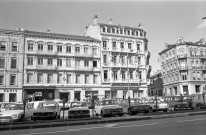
column 164, row 21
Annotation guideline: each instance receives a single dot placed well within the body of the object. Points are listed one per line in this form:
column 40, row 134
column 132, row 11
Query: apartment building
column 183, row 67
column 59, row 66
column 11, row 65
column 124, row 59
column 156, row 85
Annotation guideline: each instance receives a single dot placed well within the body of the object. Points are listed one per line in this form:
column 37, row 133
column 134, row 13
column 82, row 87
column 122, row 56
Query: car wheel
column 121, row 114
column 33, row 118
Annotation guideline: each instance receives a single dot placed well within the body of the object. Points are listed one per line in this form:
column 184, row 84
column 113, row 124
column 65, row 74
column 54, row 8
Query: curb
column 98, row 121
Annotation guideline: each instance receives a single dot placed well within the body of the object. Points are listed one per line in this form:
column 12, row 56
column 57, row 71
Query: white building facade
column 124, row 59
column 11, row 67
column 59, row 66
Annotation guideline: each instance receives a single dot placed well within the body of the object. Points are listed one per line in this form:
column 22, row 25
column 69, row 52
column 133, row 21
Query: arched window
column 104, row 29
column 113, row 30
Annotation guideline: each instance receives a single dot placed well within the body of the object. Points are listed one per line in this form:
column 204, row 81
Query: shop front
column 11, row 95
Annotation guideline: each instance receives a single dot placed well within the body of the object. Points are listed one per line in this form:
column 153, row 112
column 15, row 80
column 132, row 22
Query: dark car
column 136, row 106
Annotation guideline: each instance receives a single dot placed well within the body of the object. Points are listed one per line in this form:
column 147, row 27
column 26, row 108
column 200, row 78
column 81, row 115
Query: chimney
column 48, row 31
column 95, row 19
column 110, row 21
column 18, row 29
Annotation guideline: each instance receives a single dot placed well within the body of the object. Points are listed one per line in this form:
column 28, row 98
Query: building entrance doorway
column 77, row 95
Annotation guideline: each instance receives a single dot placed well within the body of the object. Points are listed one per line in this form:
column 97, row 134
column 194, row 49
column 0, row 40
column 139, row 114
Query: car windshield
column 78, row 104
column 47, row 105
column 3, row 105
column 136, row 101
column 15, row 107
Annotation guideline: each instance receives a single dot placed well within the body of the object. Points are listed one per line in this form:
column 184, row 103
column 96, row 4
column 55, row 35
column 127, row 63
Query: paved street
column 193, row 125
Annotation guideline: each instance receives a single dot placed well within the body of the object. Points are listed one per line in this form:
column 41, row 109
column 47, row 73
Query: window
column 122, row 45
column 13, row 80
column 68, row 62
column 40, row 61
column 95, row 79
column 1, row 79
column 198, row 76
column 138, row 46
column 114, row 45
column 86, row 50
column 77, row 63
column 29, row 77
column 145, row 47
column 59, row 48
column 184, row 76
column 78, row 79
column 50, row 78
column 104, row 44
column 129, row 46
column 12, row 97
column 50, row 47
column 77, row 49
column 122, row 59
column 50, row 62
column 194, row 75
column 123, row 75
column 115, row 59
column 29, row 61
column 59, row 62
column 69, row 49
column 115, row 75
column 86, row 79
column 105, row 74
column 14, row 46
column 94, row 51
column 114, row 94
column 2, row 45
column 104, row 58
column 103, row 29
column 131, row 74
column 1, row 97
column 69, row 79
column 40, row 46
column 59, row 78
column 13, row 62
column 2, row 62
column 113, row 30
column 129, row 59
column 40, row 78
column 30, row 46
column 86, row 63
column 94, row 64
column 197, row 88
column 139, row 60
column 107, row 94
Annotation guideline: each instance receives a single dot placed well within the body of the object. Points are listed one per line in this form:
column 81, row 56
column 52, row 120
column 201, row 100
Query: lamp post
column 129, row 111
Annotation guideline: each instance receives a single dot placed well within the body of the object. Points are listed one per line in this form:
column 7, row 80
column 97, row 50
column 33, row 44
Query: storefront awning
column 65, row 91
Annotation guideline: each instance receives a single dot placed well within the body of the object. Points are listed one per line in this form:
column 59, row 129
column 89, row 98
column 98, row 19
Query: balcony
column 195, row 56
column 180, row 56
column 105, row 49
column 183, row 67
column 106, row 80
column 202, row 56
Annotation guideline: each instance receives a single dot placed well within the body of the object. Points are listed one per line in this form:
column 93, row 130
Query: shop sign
column 10, row 90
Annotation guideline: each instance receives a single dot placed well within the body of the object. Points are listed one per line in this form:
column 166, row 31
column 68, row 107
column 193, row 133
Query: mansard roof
column 49, row 35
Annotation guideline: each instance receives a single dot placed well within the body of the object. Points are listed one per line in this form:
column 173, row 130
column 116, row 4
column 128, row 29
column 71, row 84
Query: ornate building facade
column 59, row 66
column 183, row 67
column 124, row 59
column 11, row 65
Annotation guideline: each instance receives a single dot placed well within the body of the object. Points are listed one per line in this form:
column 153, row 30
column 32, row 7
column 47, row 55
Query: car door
column 29, row 110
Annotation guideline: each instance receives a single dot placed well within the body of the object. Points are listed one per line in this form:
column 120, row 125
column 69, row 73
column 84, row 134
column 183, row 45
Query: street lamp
column 128, row 85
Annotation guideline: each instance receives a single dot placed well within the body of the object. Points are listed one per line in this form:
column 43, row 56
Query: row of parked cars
column 52, row 108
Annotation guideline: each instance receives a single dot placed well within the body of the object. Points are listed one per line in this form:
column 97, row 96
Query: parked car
column 61, row 105
column 108, row 107
column 15, row 112
column 136, row 106
column 78, row 109
column 3, row 106
column 176, row 103
column 45, row 110
column 160, row 106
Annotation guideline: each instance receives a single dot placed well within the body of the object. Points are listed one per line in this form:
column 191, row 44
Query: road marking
column 191, row 120
column 45, row 133
column 136, row 125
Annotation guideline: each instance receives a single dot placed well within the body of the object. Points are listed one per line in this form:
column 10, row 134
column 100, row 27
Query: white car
column 45, row 109
column 108, row 107
column 61, row 105
column 78, row 109
column 15, row 112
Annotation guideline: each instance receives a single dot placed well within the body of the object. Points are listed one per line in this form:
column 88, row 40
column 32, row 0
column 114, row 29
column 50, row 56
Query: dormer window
column 104, row 29
column 136, row 33
column 121, row 31
column 125, row 32
column 113, row 30
column 128, row 32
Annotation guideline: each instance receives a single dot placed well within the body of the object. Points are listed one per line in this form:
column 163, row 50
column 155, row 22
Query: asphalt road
column 192, row 125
